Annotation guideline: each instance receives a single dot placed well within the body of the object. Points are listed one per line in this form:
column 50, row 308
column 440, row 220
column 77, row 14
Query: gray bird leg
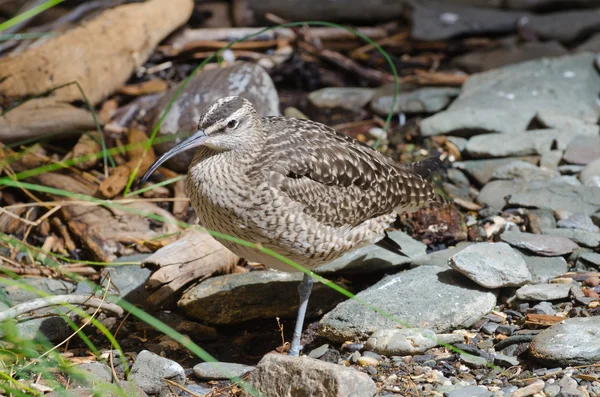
column 304, row 292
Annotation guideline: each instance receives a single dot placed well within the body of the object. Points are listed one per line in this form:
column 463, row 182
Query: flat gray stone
column 471, row 391
column 585, row 199
column 575, row 341
column 565, row 26
column 244, row 79
column 544, row 292
column 13, row 295
column 590, row 258
column 578, row 221
column 543, row 268
column 343, row 97
column 220, row 370
column 583, row 149
column 373, row 258
column 425, row 297
column 507, row 99
column 421, row 100
column 149, row 370
column 581, row 237
column 284, row 376
column 437, row 20
column 590, row 175
column 540, row 244
column 492, row 265
column 540, row 219
column 130, row 280
column 480, row 61
column 401, row 342
column 495, row 194
column 236, row 298
column 526, row 142
column 89, row 374
column 439, row 258
column 483, row 170
column 522, row 170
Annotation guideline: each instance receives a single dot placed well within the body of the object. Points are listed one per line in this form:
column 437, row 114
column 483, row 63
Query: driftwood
column 194, row 256
column 107, row 50
column 119, row 176
column 41, row 117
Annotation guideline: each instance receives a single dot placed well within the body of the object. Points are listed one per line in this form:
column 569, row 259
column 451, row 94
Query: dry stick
column 83, row 300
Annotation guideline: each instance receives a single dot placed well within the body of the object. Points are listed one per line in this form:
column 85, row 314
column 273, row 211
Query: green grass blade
column 29, row 14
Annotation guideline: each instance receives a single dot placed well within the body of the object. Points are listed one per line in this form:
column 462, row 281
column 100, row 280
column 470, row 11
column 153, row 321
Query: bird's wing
column 338, row 180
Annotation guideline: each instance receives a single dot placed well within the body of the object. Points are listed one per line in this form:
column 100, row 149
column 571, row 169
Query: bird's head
column 228, row 123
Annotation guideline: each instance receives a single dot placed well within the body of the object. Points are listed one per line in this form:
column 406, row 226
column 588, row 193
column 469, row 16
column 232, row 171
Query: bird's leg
column 304, row 292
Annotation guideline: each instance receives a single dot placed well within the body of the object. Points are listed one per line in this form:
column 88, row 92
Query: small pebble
column 552, row 390
column 365, row 361
column 319, row 351
column 354, row 357
column 372, row 370
column 533, row 388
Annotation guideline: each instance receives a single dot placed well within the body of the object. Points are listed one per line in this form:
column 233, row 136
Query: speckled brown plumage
column 296, row 186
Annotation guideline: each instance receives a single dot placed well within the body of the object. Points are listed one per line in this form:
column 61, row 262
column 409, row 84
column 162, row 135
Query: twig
column 84, row 300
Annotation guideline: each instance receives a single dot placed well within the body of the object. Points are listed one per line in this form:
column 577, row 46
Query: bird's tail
column 426, row 194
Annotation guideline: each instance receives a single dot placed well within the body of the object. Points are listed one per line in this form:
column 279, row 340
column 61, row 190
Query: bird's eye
column 232, row 124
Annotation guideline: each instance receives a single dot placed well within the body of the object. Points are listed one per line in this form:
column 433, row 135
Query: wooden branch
column 81, row 300
column 436, row 78
column 41, row 117
column 194, row 256
column 371, row 75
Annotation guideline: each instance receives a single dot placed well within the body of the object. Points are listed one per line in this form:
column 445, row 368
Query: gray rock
column 522, row 170
column 149, row 369
column 401, row 342
column 495, row 194
column 437, row 20
column 243, row 79
column 540, row 219
column 236, row 298
column 552, row 390
column 584, row 199
column 505, row 361
column 546, row 4
column 285, row 376
column 89, row 374
column 439, row 258
column 565, row 26
column 458, row 177
column 13, row 295
column 583, row 149
column 130, row 280
column 422, row 100
column 319, row 351
column 581, row 237
column 471, row 391
column 589, row 259
column 578, row 221
column 460, row 142
column 483, row 170
column 507, row 99
column 590, row 45
column 526, row 142
column 220, row 370
column 197, row 390
column 544, row 292
column 425, row 297
column 544, row 308
column 540, row 244
column 590, row 175
column 492, row 265
column 544, row 269
column 343, row 97
column 575, row 341
column 570, row 169
column 373, row 258
column 551, row 159
column 53, row 328
column 480, row 61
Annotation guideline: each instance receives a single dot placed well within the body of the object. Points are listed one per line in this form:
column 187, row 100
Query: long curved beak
column 197, row 139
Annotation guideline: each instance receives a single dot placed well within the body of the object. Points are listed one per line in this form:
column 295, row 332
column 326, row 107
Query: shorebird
column 295, row 186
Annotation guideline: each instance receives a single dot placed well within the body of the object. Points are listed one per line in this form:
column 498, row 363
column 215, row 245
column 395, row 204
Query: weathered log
column 100, row 55
column 193, row 257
